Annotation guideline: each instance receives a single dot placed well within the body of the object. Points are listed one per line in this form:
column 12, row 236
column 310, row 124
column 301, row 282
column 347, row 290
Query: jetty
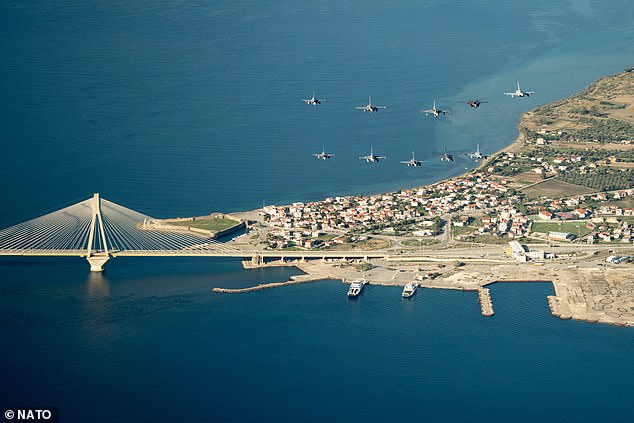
column 486, row 305
column 293, row 280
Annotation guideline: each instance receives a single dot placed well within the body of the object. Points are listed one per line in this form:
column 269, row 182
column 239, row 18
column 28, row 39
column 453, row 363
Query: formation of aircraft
column 435, row 111
column 323, row 155
column 477, row 155
column 313, row 101
column 446, row 157
column 370, row 107
column 519, row 92
column 412, row 162
column 372, row 158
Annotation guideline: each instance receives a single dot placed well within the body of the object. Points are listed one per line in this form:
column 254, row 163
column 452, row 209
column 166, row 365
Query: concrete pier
column 486, row 305
column 293, row 280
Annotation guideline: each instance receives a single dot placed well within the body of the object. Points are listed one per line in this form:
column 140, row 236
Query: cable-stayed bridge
column 98, row 229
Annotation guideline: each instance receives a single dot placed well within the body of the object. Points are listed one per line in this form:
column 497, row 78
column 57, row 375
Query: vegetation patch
column 462, row 230
column 578, row 229
column 489, row 239
column 423, row 242
column 214, row 224
column 601, row 179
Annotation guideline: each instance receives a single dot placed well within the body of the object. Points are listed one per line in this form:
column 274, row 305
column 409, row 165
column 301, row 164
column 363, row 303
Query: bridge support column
column 97, row 240
column 97, row 262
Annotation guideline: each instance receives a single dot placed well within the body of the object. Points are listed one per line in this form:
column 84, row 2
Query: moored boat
column 356, row 286
column 409, row 289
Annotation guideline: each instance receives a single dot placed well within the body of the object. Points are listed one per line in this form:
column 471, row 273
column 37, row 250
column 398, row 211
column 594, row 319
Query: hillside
column 601, row 113
column 586, row 141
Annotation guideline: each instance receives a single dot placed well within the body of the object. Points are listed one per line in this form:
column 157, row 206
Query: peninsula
column 555, row 206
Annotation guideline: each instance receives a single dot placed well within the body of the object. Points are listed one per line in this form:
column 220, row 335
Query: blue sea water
column 181, row 108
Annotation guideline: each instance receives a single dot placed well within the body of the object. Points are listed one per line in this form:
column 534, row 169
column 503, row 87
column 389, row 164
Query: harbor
column 592, row 293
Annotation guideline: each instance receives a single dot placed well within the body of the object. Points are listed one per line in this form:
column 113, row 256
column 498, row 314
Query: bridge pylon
column 97, row 252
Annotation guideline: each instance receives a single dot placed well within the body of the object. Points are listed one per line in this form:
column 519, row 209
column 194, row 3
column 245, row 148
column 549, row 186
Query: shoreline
column 514, row 146
column 575, row 296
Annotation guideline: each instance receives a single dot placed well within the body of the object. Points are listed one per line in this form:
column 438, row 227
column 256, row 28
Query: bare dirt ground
column 591, row 145
column 555, row 188
column 529, row 176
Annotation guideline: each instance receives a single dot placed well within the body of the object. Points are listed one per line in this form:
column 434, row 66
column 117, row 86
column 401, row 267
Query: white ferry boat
column 356, row 286
column 409, row 289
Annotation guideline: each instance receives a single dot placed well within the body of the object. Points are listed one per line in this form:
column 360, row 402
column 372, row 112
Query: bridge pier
column 97, row 262
column 97, row 259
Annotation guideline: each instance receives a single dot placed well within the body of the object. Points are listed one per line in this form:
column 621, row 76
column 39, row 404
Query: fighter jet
column 323, row 155
column 519, row 92
column 446, row 157
column 477, row 155
column 412, row 162
column 372, row 158
column 435, row 111
column 370, row 107
column 475, row 103
column 313, row 101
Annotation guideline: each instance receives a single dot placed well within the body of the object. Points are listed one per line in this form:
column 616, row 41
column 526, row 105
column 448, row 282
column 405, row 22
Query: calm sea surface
column 178, row 108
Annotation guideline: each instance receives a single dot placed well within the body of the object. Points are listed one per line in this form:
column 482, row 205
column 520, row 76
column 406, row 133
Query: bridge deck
column 199, row 253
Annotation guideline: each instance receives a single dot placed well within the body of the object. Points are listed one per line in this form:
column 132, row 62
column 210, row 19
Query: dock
column 486, row 305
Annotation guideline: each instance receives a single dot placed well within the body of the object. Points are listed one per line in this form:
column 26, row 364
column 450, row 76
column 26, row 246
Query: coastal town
column 479, row 206
column 557, row 182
